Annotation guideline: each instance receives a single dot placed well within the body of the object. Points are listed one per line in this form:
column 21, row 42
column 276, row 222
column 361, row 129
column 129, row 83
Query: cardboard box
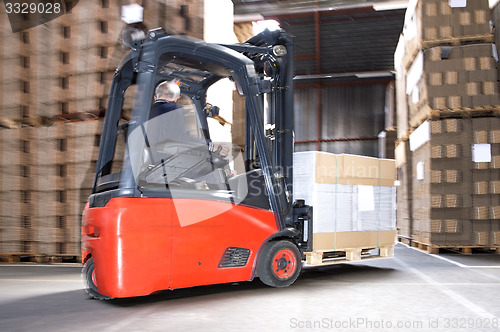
column 451, row 78
column 345, row 193
column 52, row 64
column 436, row 20
column 352, row 169
column 348, row 240
column 404, row 201
column 452, row 198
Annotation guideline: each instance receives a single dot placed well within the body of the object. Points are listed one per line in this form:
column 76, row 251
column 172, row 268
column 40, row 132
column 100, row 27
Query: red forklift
column 170, row 212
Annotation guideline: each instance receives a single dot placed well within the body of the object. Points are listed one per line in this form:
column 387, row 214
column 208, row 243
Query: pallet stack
column 455, row 182
column 47, row 174
column 64, row 170
column 55, row 84
column 447, row 114
column 54, row 73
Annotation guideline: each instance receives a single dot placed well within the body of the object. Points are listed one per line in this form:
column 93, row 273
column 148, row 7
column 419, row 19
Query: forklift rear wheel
column 279, row 264
column 89, row 279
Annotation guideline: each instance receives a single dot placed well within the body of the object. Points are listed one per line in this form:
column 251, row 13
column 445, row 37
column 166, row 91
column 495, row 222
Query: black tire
column 279, row 264
column 90, row 285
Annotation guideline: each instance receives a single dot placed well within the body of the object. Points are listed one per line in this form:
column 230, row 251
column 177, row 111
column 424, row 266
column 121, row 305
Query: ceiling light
column 260, row 26
column 132, row 13
column 390, row 5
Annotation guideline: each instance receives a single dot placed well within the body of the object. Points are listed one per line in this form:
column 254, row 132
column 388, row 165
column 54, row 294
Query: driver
column 167, row 122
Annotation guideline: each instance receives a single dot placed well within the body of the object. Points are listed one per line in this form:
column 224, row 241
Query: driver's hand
column 221, row 149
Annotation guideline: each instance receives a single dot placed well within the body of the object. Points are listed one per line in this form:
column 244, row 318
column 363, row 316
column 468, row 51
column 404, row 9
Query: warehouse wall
column 305, row 118
column 334, row 51
column 351, row 117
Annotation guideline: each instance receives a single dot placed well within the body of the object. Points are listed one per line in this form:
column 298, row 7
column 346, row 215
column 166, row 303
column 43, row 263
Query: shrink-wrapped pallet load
column 353, row 199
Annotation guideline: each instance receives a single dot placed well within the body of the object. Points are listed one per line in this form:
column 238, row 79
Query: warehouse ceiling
column 276, row 7
column 335, row 39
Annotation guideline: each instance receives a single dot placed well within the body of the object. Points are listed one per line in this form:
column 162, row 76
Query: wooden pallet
column 318, row 257
column 427, row 113
column 13, row 258
column 459, row 41
column 464, row 250
column 44, row 121
column 404, row 240
column 466, row 112
column 404, row 138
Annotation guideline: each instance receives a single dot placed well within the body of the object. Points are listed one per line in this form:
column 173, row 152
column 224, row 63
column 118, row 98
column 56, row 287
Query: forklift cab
column 173, row 155
column 168, row 210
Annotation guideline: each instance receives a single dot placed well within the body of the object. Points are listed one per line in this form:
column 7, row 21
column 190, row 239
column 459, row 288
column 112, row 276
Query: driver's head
column 169, row 91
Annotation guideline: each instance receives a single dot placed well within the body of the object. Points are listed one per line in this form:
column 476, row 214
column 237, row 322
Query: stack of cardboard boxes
column 66, row 156
column 447, row 106
column 59, row 71
column 353, row 199
column 47, row 175
column 54, row 74
column 456, row 165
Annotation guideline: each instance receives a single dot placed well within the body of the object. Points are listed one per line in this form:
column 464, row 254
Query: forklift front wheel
column 279, row 264
column 88, row 276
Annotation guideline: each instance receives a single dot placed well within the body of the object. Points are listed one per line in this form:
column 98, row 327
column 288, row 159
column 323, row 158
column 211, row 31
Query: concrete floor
column 413, row 291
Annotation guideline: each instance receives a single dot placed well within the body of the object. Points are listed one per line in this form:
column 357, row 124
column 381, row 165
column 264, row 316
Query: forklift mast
column 272, row 53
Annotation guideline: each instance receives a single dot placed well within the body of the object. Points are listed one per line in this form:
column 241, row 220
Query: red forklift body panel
column 143, row 245
column 204, row 230
column 131, row 244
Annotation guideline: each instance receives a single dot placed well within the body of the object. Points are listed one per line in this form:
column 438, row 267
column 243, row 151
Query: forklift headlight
column 132, row 37
column 279, row 50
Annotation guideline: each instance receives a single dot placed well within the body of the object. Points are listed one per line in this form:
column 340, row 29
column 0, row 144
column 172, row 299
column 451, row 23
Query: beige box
column 60, row 228
column 80, row 175
column 50, row 205
column 341, row 241
column 496, row 238
column 48, row 248
column 11, row 147
column 11, row 247
column 354, row 170
column 72, row 248
column 73, row 227
column 48, row 177
column 59, row 248
column 404, row 218
column 481, row 238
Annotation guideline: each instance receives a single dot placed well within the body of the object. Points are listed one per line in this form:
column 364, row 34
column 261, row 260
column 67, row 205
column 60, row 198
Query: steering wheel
column 190, row 163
